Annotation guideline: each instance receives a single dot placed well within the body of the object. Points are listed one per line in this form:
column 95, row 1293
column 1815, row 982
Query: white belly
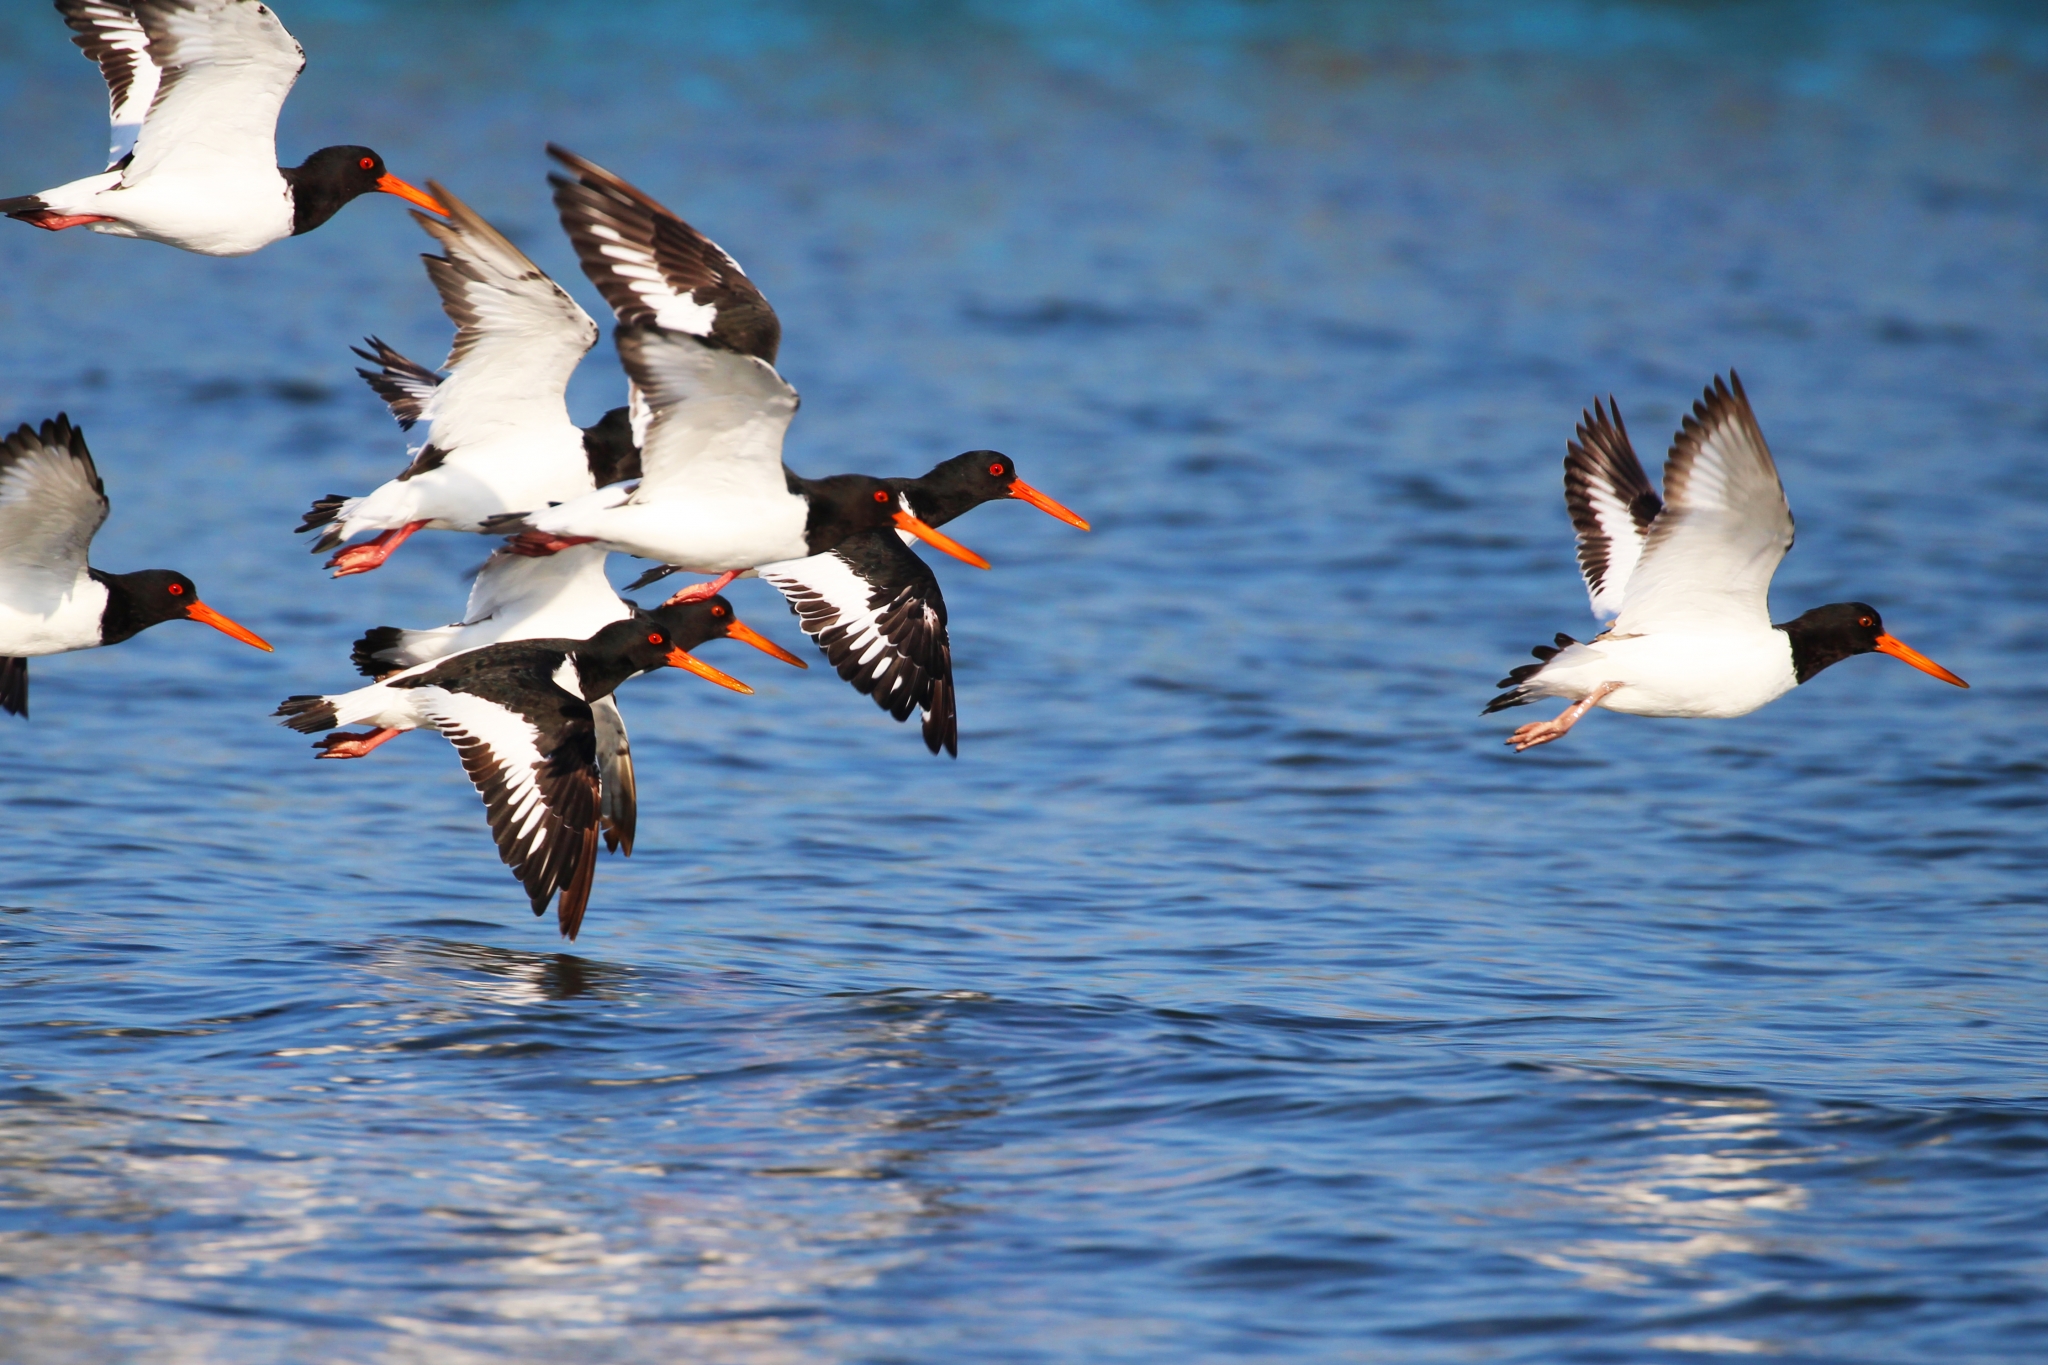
column 36, row 621
column 512, row 473
column 387, row 708
column 1688, row 674
column 231, row 211
column 706, row 534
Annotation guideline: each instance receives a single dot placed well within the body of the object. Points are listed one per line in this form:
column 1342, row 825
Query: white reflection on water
column 444, row 1214
column 1710, row 1192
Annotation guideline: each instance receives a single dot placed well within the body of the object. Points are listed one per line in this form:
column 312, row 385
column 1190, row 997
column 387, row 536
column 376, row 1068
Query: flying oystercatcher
column 563, row 596
column 51, row 601
column 499, row 436
column 1687, row 579
column 194, row 88
column 698, row 341
column 521, row 713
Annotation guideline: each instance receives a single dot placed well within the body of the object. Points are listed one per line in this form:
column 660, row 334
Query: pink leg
column 540, row 544
column 52, row 221
column 371, row 553
column 697, row 592
column 345, row 745
column 1543, row 731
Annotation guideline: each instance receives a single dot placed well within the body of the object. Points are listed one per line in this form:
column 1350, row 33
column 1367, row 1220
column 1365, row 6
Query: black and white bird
column 499, row 437
column 563, row 596
column 698, row 341
column 1687, row 579
column 52, row 601
column 875, row 607
column 194, row 88
column 521, row 715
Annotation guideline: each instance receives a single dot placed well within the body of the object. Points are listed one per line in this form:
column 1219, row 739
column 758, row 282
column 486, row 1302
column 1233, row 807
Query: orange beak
column 391, row 184
column 746, row 634
column 1021, row 489
column 680, row 659
column 907, row 522
column 1887, row 645
column 199, row 611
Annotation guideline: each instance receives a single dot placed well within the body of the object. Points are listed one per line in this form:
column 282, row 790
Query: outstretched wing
column 875, row 609
column 225, row 67
column 51, row 504
column 1611, row 502
column 110, row 34
column 406, row 386
column 696, row 337
column 1708, row 560
column 540, row 790
column 518, row 336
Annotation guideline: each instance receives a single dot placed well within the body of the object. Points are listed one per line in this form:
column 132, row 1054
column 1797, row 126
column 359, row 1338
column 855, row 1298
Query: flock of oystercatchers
column 689, row 474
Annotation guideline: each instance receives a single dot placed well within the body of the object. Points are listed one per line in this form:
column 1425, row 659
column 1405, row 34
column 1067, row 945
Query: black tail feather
column 14, row 687
column 323, row 513
column 309, row 715
column 1517, row 693
column 375, row 641
column 23, row 206
column 505, row 524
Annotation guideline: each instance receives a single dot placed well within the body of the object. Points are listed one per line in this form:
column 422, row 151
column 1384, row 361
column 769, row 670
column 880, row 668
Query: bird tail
column 24, row 207
column 330, row 512
column 1518, row 681
column 14, row 687
column 309, row 715
column 504, row 524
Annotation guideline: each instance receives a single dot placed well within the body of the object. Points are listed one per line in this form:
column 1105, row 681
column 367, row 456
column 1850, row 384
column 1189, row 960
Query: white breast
column 37, row 619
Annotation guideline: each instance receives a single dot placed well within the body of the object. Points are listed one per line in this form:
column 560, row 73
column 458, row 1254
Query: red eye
column 995, row 471
column 178, row 590
column 654, row 639
column 718, row 611
column 881, row 496
column 1863, row 621
column 367, row 162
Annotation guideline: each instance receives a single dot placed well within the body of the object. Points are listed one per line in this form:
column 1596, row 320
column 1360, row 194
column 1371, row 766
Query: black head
column 639, row 642
column 644, row 642
column 692, row 623
column 1827, row 635
column 148, row 597
column 965, row 482
column 332, row 176
column 959, row 485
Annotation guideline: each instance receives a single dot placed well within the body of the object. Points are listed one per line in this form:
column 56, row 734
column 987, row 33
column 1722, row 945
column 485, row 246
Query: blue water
column 1236, row 995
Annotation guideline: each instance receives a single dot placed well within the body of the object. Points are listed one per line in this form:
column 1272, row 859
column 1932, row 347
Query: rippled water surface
column 1236, row 994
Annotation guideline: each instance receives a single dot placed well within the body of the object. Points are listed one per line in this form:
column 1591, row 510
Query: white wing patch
column 518, row 336
column 1710, row 556
column 719, row 417
column 674, row 311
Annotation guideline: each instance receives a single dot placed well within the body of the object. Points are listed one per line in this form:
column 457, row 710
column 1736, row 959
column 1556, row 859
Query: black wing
column 877, row 612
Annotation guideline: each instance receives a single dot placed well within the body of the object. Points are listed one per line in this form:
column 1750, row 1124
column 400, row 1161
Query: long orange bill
column 680, row 659
column 939, row 542
column 738, row 630
column 199, row 611
column 1887, row 645
column 1021, row 489
column 391, row 184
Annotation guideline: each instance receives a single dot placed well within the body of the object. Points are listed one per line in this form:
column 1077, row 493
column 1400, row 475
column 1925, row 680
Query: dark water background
column 1236, row 995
